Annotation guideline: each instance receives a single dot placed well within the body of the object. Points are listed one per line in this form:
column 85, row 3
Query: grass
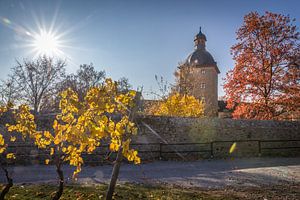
column 136, row 191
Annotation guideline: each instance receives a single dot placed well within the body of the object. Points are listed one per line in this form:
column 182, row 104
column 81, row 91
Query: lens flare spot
column 5, row 20
column 232, row 148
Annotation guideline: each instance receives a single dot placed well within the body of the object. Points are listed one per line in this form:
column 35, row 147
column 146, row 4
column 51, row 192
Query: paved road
column 205, row 173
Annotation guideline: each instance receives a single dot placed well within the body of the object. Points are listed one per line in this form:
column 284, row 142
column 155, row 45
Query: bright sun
column 46, row 43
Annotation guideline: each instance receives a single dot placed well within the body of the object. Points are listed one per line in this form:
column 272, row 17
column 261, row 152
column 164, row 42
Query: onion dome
column 200, row 57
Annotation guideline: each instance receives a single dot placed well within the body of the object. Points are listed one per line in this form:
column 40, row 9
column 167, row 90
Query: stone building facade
column 198, row 76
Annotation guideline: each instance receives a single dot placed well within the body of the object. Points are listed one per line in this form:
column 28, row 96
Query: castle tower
column 198, row 76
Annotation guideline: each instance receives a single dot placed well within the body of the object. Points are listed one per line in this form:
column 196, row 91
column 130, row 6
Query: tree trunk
column 7, row 186
column 61, row 183
column 117, row 165
column 114, row 175
column 35, row 107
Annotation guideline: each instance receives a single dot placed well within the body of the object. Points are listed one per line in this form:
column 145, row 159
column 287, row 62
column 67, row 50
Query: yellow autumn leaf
column 1, row 140
column 57, row 140
column 137, row 160
column 2, row 149
column 132, row 93
column 13, row 138
column 47, row 134
column 114, row 147
column 10, row 156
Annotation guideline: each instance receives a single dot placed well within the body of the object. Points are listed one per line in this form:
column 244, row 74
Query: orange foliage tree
column 265, row 84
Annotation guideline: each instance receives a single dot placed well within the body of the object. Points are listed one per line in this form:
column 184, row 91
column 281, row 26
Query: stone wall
column 190, row 138
column 185, row 130
column 253, row 138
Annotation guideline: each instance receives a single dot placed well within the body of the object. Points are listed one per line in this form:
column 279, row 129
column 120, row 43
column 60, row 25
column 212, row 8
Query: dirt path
column 204, row 174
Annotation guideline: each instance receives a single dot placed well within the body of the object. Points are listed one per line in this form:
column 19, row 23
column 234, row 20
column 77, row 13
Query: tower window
column 202, row 85
column 202, row 71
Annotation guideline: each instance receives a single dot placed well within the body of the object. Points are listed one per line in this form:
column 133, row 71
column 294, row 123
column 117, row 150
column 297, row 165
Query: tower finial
column 200, row 30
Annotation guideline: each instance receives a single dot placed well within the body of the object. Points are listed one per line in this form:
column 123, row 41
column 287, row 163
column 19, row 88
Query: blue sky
column 135, row 39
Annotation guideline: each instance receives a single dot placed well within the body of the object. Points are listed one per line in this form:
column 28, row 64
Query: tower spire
column 200, row 40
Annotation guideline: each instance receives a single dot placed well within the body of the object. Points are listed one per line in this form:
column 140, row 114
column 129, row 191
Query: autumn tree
column 37, row 80
column 81, row 126
column 81, row 81
column 172, row 101
column 185, row 79
column 65, row 145
column 87, row 77
column 9, row 92
column 164, row 88
column 6, row 155
column 264, row 84
column 108, row 99
column 123, row 85
column 178, row 105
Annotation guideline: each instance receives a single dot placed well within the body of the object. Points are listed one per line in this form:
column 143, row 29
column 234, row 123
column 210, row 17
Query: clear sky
column 136, row 39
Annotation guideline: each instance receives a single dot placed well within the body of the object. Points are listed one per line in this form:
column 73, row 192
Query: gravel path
column 204, row 174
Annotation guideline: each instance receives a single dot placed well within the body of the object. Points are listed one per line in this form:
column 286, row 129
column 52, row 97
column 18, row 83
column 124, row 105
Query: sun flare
column 46, row 43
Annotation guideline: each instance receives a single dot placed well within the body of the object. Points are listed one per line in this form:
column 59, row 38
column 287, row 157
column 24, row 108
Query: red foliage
column 264, row 83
